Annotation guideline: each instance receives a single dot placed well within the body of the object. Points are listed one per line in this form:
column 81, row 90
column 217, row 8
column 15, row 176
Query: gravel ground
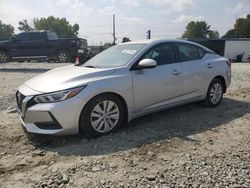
column 33, row 65
column 188, row 146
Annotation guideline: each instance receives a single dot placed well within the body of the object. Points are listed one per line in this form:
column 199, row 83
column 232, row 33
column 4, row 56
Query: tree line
column 60, row 26
column 194, row 29
column 201, row 29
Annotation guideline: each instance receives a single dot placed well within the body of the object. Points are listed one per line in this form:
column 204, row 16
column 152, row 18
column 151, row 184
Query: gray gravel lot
column 188, row 146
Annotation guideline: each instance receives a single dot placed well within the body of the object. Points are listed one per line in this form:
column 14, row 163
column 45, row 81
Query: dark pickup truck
column 42, row 45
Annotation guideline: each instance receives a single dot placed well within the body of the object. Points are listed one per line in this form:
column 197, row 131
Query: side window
column 23, row 37
column 36, row 36
column 187, row 52
column 162, row 54
column 202, row 53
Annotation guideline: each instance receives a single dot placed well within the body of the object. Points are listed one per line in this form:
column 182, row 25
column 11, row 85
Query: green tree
column 241, row 29
column 75, row 28
column 58, row 25
column 213, row 34
column 230, row 34
column 199, row 29
column 24, row 26
column 6, row 31
column 125, row 39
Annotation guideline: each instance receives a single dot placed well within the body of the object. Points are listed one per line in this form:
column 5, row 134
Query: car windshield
column 115, row 56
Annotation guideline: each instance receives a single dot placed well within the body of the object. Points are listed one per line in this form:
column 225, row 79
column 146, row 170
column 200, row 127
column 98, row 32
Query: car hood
column 66, row 77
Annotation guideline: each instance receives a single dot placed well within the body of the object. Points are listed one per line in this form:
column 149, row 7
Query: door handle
column 209, row 66
column 176, row 72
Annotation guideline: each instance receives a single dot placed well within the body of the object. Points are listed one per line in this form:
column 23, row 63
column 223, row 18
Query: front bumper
column 60, row 118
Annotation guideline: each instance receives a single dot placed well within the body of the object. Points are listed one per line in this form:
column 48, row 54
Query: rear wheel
column 101, row 115
column 4, row 57
column 63, row 57
column 214, row 93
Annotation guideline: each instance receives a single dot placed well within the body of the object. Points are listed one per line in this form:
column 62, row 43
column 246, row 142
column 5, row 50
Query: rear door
column 38, row 44
column 160, row 85
column 195, row 71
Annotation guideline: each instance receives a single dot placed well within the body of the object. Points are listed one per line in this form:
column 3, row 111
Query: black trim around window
column 204, row 52
column 187, row 44
column 134, row 66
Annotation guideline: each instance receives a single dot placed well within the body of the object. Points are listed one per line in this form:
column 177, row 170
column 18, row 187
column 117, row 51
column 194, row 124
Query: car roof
column 157, row 41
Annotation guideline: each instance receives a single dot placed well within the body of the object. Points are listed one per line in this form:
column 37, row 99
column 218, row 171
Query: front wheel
column 4, row 57
column 214, row 93
column 102, row 115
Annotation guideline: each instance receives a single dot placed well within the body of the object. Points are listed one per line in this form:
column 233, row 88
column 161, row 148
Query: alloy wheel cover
column 105, row 116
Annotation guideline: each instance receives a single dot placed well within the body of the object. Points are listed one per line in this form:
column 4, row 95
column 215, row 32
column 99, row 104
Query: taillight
column 229, row 63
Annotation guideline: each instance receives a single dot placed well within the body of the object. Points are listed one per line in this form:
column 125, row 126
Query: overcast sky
column 165, row 18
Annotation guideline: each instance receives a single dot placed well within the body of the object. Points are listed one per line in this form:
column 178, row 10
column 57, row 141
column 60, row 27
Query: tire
column 214, row 93
column 4, row 57
column 95, row 123
column 63, row 57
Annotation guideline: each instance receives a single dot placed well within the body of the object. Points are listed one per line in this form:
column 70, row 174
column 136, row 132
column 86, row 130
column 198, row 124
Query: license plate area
column 80, row 51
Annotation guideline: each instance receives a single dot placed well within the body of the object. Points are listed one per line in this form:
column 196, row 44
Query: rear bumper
column 228, row 77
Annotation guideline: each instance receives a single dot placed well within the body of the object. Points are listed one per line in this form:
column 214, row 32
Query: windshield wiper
column 90, row 66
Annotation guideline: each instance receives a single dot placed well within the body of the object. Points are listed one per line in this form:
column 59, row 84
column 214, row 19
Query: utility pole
column 148, row 35
column 114, row 38
column 235, row 30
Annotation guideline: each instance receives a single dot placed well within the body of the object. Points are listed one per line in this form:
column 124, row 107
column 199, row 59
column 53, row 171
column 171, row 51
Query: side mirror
column 147, row 64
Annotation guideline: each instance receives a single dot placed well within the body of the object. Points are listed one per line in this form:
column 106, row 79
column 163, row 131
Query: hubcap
column 62, row 57
column 3, row 58
column 105, row 116
column 216, row 93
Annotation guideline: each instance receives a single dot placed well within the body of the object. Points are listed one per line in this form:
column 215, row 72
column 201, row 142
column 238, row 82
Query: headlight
column 58, row 96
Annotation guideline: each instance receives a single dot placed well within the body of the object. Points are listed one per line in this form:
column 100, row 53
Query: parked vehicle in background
column 123, row 82
column 86, row 56
column 42, row 45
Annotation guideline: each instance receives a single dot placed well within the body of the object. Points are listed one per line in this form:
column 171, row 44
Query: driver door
column 161, row 85
column 18, row 45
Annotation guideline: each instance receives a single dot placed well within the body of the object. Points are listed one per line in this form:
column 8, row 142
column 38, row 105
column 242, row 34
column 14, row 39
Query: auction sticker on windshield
column 127, row 51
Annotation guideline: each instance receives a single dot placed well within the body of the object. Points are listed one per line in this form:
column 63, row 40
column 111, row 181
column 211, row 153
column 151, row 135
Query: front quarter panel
column 120, row 82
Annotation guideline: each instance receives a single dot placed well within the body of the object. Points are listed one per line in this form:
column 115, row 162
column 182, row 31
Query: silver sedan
column 124, row 82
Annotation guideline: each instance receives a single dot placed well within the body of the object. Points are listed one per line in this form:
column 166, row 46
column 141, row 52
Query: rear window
column 52, row 36
column 201, row 52
column 187, row 52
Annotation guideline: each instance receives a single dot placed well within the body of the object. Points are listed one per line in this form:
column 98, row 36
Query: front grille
column 19, row 99
column 31, row 103
column 24, row 102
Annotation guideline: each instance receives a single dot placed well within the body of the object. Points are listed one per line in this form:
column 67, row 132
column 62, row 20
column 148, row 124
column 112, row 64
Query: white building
column 236, row 47
column 229, row 48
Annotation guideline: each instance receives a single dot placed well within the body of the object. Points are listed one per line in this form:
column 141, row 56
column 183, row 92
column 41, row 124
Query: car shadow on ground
column 179, row 122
